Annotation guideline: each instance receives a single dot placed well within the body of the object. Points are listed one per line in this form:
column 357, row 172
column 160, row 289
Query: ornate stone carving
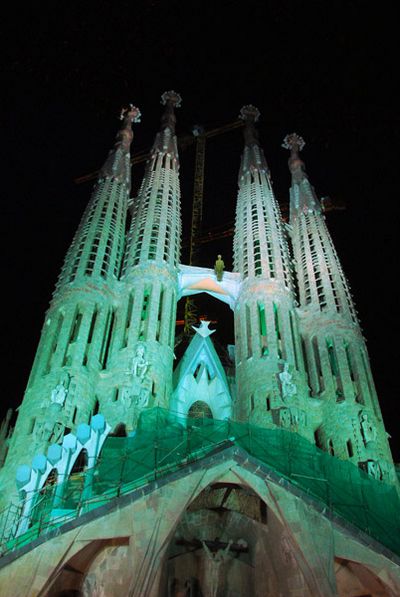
column 140, row 365
column 60, row 392
column 289, row 389
column 215, row 561
column 368, row 431
column 374, row 470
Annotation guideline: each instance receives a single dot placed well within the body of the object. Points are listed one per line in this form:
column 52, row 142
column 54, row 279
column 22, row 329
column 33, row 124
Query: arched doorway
column 356, row 580
column 102, row 567
column 200, row 410
column 229, row 543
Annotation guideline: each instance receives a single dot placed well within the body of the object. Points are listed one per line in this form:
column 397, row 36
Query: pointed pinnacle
column 171, row 97
column 131, row 112
column 293, row 142
column 249, row 113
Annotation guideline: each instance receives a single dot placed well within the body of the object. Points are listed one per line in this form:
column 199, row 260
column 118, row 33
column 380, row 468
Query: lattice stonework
column 333, row 346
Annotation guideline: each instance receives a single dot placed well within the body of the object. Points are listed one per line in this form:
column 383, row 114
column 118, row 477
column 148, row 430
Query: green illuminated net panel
column 165, row 442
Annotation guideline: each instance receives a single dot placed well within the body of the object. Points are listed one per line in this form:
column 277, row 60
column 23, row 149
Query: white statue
column 139, row 364
column 367, row 429
column 214, row 562
column 289, row 389
column 59, row 393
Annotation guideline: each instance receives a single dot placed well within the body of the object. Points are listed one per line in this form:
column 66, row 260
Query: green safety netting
column 165, row 442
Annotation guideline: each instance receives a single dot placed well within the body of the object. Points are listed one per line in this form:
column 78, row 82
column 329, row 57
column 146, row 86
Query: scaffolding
column 165, row 442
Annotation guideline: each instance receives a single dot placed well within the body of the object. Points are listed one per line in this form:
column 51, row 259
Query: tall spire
column 304, row 197
column 260, row 244
column 253, row 159
column 156, row 227
column 267, row 342
column 333, row 346
column 117, row 164
column 150, row 275
column 165, row 141
column 98, row 243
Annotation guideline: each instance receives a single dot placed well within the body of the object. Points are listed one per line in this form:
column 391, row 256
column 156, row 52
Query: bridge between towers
column 194, row 280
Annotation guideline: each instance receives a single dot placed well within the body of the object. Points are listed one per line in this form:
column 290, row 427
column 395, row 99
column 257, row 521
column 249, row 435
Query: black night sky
column 324, row 69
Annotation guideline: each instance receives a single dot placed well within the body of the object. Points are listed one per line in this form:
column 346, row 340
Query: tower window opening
column 268, row 403
column 278, row 331
column 144, row 314
column 54, row 343
column 307, row 366
column 105, row 349
column 159, row 315
column 31, row 426
column 294, row 343
column 334, row 369
column 72, row 337
column 330, row 448
column 248, row 332
column 96, row 407
column 128, row 319
column 252, row 402
column 90, row 337
column 263, row 329
column 318, row 439
column 349, row 447
column 318, row 363
column 74, row 415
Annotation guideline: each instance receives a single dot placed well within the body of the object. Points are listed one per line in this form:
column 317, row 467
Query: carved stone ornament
column 289, row 389
column 140, row 365
column 368, row 431
column 59, row 393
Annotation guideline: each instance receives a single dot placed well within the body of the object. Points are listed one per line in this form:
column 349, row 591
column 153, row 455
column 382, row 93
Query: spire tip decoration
column 131, row 112
column 173, row 97
column 249, row 113
column 293, row 142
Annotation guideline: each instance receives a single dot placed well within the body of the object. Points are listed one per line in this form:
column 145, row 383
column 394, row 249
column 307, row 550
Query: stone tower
column 138, row 372
column 73, row 350
column 334, row 349
column 260, row 470
column 269, row 366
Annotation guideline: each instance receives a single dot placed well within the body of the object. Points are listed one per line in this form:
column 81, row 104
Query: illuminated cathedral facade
column 130, row 472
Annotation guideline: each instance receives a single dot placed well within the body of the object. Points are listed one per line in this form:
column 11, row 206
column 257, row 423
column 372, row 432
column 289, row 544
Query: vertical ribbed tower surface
column 145, row 325
column 74, row 343
column 271, row 380
column 334, row 349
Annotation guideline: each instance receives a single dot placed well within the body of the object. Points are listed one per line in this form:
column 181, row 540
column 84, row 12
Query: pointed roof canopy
column 253, row 159
column 117, row 164
column 201, row 348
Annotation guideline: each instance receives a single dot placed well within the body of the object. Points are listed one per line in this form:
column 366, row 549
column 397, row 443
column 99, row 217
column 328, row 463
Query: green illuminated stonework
column 266, row 471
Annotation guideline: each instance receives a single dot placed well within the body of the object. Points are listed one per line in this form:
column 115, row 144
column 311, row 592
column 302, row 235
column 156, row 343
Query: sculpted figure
column 59, row 393
column 374, row 469
column 289, row 389
column 139, row 363
column 215, row 561
column 219, row 268
column 367, row 429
